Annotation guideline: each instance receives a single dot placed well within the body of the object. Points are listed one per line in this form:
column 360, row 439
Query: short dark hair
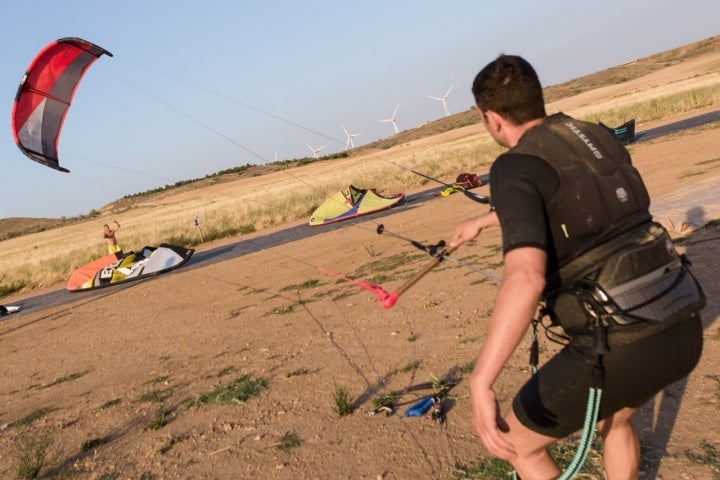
column 510, row 87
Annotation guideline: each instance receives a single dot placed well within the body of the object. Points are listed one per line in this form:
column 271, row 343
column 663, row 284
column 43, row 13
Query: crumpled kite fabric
column 352, row 202
column 45, row 94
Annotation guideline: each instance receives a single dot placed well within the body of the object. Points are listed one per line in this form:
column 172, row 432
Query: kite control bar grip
column 390, row 299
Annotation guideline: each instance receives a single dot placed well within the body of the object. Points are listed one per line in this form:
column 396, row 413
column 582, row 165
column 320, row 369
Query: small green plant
column 239, row 390
column 343, row 401
column 166, row 445
column 92, row 444
column 710, row 456
column 386, row 401
column 288, row 441
column 110, row 403
column 158, row 421
column 431, row 303
column 467, row 367
column 157, row 380
column 32, row 451
column 225, row 371
column 487, row 469
column 298, row 372
column 306, row 284
column 281, row 310
column 151, row 396
column 66, row 378
column 410, row 366
column 31, row 417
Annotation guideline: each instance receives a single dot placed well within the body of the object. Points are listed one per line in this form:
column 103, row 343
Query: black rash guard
column 566, row 187
column 521, row 186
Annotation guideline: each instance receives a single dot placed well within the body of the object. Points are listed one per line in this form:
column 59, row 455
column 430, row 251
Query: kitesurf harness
column 636, row 280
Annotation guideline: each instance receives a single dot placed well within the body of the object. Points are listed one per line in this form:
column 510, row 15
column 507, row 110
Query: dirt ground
column 114, row 384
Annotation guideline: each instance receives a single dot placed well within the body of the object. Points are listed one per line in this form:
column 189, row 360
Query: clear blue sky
column 198, row 87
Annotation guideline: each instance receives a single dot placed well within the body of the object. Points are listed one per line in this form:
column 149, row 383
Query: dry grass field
column 263, row 367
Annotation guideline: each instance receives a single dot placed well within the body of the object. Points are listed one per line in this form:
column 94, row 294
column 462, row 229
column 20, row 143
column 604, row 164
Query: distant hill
column 14, row 227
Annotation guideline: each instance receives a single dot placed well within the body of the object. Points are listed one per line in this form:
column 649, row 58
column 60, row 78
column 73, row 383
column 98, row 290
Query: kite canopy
column 352, row 202
column 111, row 270
column 45, row 94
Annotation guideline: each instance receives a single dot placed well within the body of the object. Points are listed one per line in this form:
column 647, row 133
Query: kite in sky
column 45, row 94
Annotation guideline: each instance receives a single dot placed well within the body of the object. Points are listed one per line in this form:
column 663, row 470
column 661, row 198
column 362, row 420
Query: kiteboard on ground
column 121, row 268
column 352, row 202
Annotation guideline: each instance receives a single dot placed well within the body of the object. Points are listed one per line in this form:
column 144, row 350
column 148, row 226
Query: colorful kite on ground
column 120, row 268
column 45, row 94
column 352, row 202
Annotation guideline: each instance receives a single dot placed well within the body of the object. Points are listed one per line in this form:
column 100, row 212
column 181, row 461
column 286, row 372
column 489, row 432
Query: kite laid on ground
column 8, row 309
column 625, row 133
column 113, row 270
column 352, row 202
column 45, row 94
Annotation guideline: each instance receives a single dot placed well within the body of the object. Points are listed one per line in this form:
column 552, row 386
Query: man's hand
column 488, row 422
column 469, row 229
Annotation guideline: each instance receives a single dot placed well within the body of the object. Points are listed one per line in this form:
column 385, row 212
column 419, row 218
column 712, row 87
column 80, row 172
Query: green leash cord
column 591, row 416
column 593, row 404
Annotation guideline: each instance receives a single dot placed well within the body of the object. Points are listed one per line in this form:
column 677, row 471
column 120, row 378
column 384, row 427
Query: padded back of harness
column 600, row 193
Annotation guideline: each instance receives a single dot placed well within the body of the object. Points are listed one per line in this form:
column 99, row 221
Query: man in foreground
column 577, row 235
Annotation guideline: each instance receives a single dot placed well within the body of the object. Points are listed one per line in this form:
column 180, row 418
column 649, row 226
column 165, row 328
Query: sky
column 194, row 88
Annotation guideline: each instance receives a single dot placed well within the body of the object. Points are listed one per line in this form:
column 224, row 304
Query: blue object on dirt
column 420, row 408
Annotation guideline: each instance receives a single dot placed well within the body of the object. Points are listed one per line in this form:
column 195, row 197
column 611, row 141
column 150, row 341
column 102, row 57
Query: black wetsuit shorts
column 554, row 401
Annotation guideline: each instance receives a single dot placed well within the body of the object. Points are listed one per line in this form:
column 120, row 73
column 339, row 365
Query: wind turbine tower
column 443, row 100
column 314, row 150
column 393, row 119
column 349, row 144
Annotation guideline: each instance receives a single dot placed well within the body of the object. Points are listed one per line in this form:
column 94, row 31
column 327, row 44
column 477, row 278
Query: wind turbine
column 392, row 119
column 443, row 99
column 314, row 150
column 350, row 136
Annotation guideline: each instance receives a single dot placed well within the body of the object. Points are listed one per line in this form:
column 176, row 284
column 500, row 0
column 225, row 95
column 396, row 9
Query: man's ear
column 494, row 121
